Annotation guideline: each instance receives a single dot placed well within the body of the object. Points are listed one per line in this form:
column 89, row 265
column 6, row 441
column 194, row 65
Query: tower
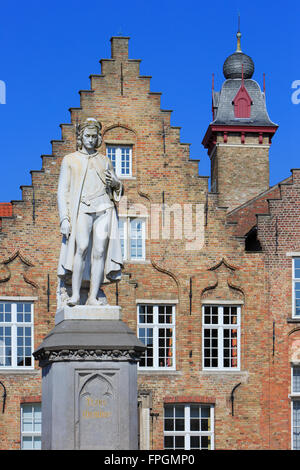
column 239, row 137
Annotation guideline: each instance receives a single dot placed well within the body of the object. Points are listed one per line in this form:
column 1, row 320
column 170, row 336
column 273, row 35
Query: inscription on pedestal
column 97, row 420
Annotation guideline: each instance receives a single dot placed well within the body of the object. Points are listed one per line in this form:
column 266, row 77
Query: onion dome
column 232, row 67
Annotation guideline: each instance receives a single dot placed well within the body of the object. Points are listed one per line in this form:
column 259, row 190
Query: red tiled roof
column 5, row 209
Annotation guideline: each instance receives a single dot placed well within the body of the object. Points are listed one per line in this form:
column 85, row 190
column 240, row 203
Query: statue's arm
column 63, row 191
column 118, row 190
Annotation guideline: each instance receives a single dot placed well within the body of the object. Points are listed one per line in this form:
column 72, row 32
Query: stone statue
column 88, row 189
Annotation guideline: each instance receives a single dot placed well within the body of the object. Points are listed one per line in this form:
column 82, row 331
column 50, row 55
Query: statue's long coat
column 71, row 179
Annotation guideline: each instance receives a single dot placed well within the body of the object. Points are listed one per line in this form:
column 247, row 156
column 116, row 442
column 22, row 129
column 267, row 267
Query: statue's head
column 89, row 135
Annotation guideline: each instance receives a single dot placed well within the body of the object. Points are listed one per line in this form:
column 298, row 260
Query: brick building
column 211, row 278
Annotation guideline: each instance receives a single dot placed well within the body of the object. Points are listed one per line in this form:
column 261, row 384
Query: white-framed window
column 156, row 329
column 132, row 233
column 31, row 426
column 296, row 287
column 121, row 158
column 188, row 426
column 16, row 334
column 295, row 408
column 221, row 337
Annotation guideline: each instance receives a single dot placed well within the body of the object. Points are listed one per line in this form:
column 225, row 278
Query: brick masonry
column 221, row 270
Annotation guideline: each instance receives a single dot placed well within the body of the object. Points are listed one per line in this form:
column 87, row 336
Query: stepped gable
column 245, row 216
column 129, row 112
column 279, row 229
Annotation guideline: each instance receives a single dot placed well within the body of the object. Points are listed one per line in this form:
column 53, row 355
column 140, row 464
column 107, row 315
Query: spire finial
column 238, row 47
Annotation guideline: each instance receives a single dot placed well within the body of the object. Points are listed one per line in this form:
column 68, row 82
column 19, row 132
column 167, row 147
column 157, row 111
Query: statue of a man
column 87, row 192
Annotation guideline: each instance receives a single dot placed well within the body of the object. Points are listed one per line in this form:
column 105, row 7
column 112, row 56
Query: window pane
column 146, row 336
column 165, row 350
column 111, row 153
column 169, row 411
column 195, row 442
column 179, row 411
column 159, row 339
column 122, row 225
column 296, row 379
column 179, row 442
column 210, row 315
column 297, row 263
column 5, row 312
column 230, row 316
column 169, row 424
column 125, row 161
column 27, row 443
column 229, row 348
column 205, row 412
column 31, row 425
column 165, row 314
column 195, row 433
column 27, row 423
column 14, row 332
column 37, row 443
column 145, row 314
column 5, row 347
column 169, row 442
column 296, row 425
column 179, row 424
column 23, row 312
column 205, row 442
column 24, row 352
column 220, row 339
column 297, row 297
column 37, row 425
column 195, row 425
column 136, row 239
column 211, row 347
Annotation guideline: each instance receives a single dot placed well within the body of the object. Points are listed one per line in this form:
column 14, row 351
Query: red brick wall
column 279, row 234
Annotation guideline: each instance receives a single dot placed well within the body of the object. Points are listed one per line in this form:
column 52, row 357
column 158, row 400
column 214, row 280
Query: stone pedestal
column 89, row 385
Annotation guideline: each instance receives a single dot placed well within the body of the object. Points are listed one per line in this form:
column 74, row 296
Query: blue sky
column 49, row 49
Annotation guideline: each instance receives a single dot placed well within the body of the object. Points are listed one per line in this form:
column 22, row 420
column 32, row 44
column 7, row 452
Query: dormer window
column 242, row 103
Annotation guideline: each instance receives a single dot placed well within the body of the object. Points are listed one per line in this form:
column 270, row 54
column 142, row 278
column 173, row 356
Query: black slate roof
column 224, row 108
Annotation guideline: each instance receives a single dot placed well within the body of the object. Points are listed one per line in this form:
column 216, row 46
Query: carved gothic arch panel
column 15, row 266
column 221, row 281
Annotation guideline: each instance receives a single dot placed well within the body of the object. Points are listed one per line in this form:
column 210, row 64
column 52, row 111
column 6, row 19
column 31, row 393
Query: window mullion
column 120, row 161
column 125, row 231
column 155, row 337
column 220, row 338
column 128, row 234
column 187, row 427
column 238, row 350
column 14, row 344
column 155, row 346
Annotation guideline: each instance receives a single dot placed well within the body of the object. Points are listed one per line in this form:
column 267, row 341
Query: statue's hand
column 65, row 228
column 112, row 180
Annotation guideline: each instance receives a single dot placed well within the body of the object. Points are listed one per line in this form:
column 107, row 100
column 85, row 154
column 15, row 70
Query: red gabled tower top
column 242, row 101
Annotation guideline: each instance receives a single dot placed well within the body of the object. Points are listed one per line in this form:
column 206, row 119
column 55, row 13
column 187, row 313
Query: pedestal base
column 89, row 386
column 88, row 312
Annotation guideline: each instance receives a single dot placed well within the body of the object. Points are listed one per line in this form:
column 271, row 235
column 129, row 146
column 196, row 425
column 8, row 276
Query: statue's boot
column 94, row 301
column 73, row 301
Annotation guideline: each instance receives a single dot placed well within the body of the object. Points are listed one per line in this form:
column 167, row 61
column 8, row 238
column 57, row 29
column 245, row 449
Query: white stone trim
column 18, row 298
column 244, row 145
column 222, row 302
column 156, row 301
